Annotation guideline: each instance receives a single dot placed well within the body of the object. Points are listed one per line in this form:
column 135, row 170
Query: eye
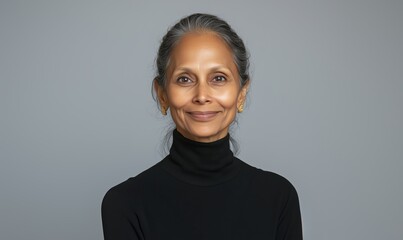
column 219, row 79
column 183, row 80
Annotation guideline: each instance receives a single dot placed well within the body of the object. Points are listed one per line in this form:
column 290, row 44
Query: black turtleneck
column 201, row 191
column 201, row 163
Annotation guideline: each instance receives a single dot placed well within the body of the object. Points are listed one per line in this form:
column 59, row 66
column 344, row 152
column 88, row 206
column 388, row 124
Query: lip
column 202, row 116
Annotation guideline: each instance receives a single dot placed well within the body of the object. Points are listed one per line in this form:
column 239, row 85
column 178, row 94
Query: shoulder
column 270, row 183
column 132, row 190
column 273, row 191
column 123, row 205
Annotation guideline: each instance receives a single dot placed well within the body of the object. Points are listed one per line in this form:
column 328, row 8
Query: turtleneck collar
column 201, row 163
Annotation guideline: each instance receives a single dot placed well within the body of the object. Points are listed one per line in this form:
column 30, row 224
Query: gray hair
column 202, row 22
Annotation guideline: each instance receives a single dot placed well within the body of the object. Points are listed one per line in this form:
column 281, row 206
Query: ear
column 161, row 95
column 242, row 95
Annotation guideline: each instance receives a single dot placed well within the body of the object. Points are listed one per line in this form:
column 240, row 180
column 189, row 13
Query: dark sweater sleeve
column 118, row 220
column 290, row 226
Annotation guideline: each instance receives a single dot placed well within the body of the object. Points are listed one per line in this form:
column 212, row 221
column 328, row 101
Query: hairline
column 180, row 34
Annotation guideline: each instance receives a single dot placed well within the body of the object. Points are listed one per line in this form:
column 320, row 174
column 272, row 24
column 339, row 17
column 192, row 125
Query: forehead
column 202, row 47
column 198, row 37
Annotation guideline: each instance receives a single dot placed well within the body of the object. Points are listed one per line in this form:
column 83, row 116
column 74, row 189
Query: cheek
column 176, row 103
column 228, row 99
column 177, row 99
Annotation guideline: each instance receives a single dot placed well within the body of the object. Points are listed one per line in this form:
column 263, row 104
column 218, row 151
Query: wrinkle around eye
column 184, row 80
column 220, row 78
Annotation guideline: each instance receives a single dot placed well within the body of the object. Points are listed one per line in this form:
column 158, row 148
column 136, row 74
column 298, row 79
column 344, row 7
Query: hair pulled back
column 199, row 22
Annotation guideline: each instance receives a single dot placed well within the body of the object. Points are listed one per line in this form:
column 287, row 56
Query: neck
column 201, row 163
column 220, row 135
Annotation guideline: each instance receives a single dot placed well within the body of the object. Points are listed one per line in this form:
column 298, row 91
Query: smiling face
column 202, row 89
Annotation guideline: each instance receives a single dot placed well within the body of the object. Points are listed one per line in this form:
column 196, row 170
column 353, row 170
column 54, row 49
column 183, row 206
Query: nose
column 202, row 95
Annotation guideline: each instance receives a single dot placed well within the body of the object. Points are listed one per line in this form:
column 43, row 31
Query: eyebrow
column 184, row 69
column 213, row 69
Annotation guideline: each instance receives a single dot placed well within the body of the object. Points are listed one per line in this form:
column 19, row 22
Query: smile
column 202, row 116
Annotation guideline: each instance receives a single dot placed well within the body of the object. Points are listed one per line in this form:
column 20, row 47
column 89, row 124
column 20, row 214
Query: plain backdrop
column 77, row 117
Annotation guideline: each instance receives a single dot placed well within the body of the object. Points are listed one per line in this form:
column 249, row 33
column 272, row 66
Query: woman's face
column 203, row 88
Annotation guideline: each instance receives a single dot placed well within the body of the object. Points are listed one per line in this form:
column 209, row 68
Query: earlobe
column 242, row 97
column 161, row 97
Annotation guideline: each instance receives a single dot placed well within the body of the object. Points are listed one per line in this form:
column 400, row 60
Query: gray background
column 325, row 108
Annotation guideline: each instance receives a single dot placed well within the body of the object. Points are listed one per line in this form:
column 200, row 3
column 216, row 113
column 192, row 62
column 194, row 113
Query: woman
column 200, row 190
